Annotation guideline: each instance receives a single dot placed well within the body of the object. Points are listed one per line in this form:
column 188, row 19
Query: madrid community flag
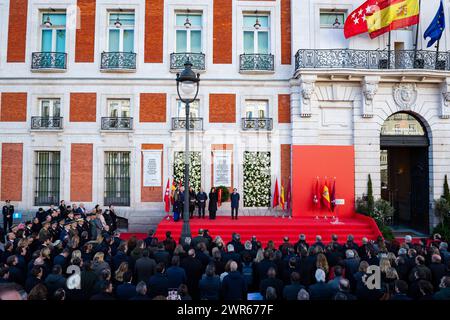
column 282, row 203
column 391, row 15
column 276, row 195
column 326, row 196
column 167, row 197
column 316, row 193
column 356, row 21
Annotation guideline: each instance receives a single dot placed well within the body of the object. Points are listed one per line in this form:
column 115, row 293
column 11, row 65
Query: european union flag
column 436, row 28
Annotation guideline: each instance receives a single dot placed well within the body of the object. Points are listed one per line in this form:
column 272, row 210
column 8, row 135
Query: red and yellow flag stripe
column 392, row 14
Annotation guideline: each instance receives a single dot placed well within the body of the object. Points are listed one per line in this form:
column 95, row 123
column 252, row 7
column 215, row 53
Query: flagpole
column 417, row 35
column 389, row 50
column 437, row 54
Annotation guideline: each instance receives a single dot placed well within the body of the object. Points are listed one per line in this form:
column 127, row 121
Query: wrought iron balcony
column 256, row 62
column 371, row 59
column 259, row 124
column 180, row 123
column 46, row 123
column 177, row 61
column 49, row 61
column 117, row 123
column 118, row 61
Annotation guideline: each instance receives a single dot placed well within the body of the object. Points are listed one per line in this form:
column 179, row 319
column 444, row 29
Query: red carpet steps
column 272, row 228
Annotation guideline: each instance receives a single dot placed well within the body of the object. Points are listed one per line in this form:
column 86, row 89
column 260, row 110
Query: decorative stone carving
column 445, row 105
column 405, row 95
column 307, row 87
column 369, row 89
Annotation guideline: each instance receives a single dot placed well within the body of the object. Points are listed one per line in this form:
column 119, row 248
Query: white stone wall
column 149, row 77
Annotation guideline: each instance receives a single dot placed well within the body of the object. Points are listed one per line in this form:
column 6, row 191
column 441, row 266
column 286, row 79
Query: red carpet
column 271, row 228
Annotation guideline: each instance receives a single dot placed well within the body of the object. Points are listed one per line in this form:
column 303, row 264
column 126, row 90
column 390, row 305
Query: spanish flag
column 282, row 202
column 326, row 196
column 392, row 14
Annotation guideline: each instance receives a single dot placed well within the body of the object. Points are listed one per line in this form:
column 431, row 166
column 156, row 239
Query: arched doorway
column 404, row 170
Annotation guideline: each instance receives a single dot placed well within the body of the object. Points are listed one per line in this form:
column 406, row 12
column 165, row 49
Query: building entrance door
column 404, row 171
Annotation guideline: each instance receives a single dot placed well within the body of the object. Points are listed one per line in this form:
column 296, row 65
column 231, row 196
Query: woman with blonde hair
column 385, row 264
column 259, row 256
column 392, row 259
column 75, row 254
column 227, row 270
column 46, row 253
column 388, row 283
column 322, row 263
column 99, row 264
column 118, row 277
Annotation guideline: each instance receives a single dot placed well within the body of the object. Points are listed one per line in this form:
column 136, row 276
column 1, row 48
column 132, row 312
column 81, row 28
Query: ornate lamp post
column 187, row 88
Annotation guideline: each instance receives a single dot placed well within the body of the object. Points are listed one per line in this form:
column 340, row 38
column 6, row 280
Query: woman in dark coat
column 177, row 205
column 192, row 202
column 212, row 206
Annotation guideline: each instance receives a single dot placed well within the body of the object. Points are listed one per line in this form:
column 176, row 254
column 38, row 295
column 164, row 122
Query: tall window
column 53, row 32
column 50, row 108
column 121, row 32
column 188, row 29
column 256, row 109
column 256, row 34
column 117, row 178
column 330, row 32
column 194, row 109
column 119, row 108
column 47, row 178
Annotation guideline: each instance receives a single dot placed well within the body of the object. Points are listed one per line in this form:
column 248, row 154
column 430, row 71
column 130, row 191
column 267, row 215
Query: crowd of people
column 70, row 253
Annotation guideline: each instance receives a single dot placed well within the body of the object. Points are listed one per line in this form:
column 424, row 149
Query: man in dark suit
column 194, row 270
column 201, row 201
column 158, row 284
column 233, row 285
column 126, row 290
column 8, row 211
column 320, row 290
column 144, row 267
column 272, row 281
column 235, row 197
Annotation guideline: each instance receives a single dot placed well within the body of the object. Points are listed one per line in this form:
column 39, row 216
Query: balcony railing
column 177, row 61
column 180, row 123
column 371, row 59
column 262, row 124
column 256, row 62
column 46, row 123
column 118, row 61
column 117, row 123
column 49, row 61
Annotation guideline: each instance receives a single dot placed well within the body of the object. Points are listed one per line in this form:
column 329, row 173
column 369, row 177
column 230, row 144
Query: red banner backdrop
column 310, row 162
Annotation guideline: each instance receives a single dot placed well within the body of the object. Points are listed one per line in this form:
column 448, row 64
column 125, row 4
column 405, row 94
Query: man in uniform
column 8, row 211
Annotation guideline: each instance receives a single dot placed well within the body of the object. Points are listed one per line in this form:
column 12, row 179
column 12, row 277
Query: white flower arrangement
column 195, row 169
column 257, row 182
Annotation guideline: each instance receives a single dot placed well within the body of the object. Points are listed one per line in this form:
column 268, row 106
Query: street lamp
column 187, row 88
